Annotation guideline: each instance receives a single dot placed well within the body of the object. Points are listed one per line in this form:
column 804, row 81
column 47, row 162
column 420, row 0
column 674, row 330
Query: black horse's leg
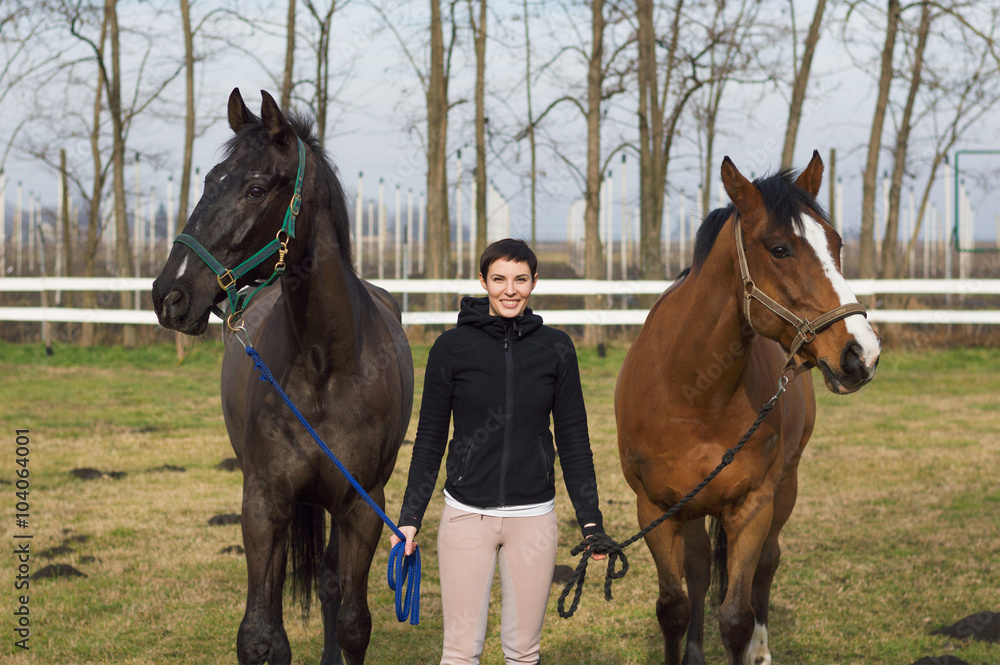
column 261, row 636
column 673, row 610
column 746, row 531
column 360, row 529
column 770, row 556
column 697, row 571
column 330, row 597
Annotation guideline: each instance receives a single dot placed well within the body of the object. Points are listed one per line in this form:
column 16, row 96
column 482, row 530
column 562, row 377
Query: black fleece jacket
column 501, row 378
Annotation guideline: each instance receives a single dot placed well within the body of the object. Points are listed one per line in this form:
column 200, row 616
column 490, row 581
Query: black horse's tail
column 305, row 543
column 720, row 553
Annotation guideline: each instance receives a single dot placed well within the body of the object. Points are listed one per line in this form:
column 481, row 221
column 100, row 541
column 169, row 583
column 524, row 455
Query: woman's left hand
column 596, row 556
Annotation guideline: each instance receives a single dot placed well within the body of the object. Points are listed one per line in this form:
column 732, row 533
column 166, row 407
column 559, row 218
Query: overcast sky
column 377, row 122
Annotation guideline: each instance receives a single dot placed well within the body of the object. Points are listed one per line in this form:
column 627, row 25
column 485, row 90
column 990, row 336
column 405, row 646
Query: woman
column 500, row 373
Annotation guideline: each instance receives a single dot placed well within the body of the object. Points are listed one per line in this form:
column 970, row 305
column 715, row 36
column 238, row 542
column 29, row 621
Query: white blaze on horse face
column 757, row 652
column 815, row 235
column 184, row 265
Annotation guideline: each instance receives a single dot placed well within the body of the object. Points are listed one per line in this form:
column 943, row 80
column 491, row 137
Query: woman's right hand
column 410, row 532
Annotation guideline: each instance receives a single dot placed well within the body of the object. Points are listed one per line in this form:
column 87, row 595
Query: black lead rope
column 603, row 544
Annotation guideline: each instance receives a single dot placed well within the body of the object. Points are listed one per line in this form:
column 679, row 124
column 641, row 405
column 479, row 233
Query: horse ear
column 812, row 175
column 239, row 114
column 273, row 119
column 742, row 192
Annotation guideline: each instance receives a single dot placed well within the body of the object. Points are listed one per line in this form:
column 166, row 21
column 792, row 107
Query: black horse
column 335, row 344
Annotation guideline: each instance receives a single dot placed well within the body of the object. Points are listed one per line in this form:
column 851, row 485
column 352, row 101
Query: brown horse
column 708, row 357
column 336, row 346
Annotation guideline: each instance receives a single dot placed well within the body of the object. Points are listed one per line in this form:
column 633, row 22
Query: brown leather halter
column 807, row 330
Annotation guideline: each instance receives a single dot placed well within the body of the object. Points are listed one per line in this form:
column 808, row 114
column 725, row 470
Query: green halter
column 227, row 278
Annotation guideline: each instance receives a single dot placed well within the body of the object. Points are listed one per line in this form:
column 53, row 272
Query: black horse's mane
column 783, row 200
column 304, row 128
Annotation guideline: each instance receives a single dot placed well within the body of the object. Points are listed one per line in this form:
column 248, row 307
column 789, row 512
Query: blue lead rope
column 401, row 567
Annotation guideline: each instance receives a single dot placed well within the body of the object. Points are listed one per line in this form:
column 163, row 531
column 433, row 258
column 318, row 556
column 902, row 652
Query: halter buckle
column 225, row 285
column 296, row 204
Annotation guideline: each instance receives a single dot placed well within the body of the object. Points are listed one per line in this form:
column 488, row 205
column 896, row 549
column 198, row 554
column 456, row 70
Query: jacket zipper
column 509, row 422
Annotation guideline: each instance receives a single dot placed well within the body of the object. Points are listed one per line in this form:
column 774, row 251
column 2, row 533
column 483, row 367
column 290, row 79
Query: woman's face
column 508, row 285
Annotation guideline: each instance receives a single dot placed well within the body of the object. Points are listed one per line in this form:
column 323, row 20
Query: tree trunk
column 593, row 266
column 438, row 237
column 322, row 63
column 650, row 260
column 481, row 180
column 799, row 86
column 867, row 258
column 123, row 263
column 890, row 253
column 189, row 118
column 88, row 331
column 286, row 86
column 655, row 134
column 69, row 237
column 531, row 126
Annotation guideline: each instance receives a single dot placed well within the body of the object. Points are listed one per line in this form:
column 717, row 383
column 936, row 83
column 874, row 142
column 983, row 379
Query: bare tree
column 682, row 77
column 189, row 114
column 323, row 15
column 867, row 258
column 728, row 57
column 479, row 39
column 288, row 80
column 801, row 78
column 532, row 145
column 890, row 255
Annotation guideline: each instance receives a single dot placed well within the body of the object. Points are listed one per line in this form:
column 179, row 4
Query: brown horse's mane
column 783, row 200
column 259, row 139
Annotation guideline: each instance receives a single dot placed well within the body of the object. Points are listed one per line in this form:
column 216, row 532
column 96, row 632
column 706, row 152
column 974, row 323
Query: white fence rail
column 956, row 287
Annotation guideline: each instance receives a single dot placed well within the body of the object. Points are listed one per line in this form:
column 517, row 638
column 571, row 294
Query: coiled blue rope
column 401, row 568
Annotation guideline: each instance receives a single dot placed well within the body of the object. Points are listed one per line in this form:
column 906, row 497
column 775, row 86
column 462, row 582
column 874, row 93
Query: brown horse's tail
column 305, row 543
column 720, row 572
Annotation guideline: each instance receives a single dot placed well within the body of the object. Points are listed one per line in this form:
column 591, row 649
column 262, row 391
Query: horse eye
column 780, row 252
column 256, row 192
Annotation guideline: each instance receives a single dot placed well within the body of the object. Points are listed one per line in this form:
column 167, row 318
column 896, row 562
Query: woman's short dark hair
column 508, row 249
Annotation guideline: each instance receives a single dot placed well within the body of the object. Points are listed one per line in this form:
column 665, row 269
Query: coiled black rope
column 603, row 544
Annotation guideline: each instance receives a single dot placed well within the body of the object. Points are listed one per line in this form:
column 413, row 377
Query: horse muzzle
column 851, row 373
column 173, row 304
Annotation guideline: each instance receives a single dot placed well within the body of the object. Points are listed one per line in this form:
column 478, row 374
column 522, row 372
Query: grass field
column 896, row 532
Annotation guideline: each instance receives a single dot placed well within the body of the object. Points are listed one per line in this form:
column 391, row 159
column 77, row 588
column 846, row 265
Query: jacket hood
column 476, row 312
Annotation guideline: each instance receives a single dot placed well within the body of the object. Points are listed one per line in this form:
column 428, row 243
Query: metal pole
column 371, row 220
column 137, row 229
column 18, row 228
column 151, row 219
column 667, row 233
column 624, row 239
column 397, row 227
column 32, row 223
column 682, row 232
column 171, row 220
column 381, row 228
column 609, row 250
column 420, row 234
column 950, row 204
column 3, row 224
column 458, row 214
column 359, row 224
column 409, row 234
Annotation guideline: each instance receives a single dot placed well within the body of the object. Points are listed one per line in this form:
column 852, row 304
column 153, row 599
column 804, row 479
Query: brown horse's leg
column 697, row 571
column 673, row 611
column 360, row 529
column 770, row 556
column 330, row 597
column 261, row 636
column 746, row 531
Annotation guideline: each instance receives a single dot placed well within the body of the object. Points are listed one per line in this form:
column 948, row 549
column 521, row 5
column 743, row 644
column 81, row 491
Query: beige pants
column 469, row 548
